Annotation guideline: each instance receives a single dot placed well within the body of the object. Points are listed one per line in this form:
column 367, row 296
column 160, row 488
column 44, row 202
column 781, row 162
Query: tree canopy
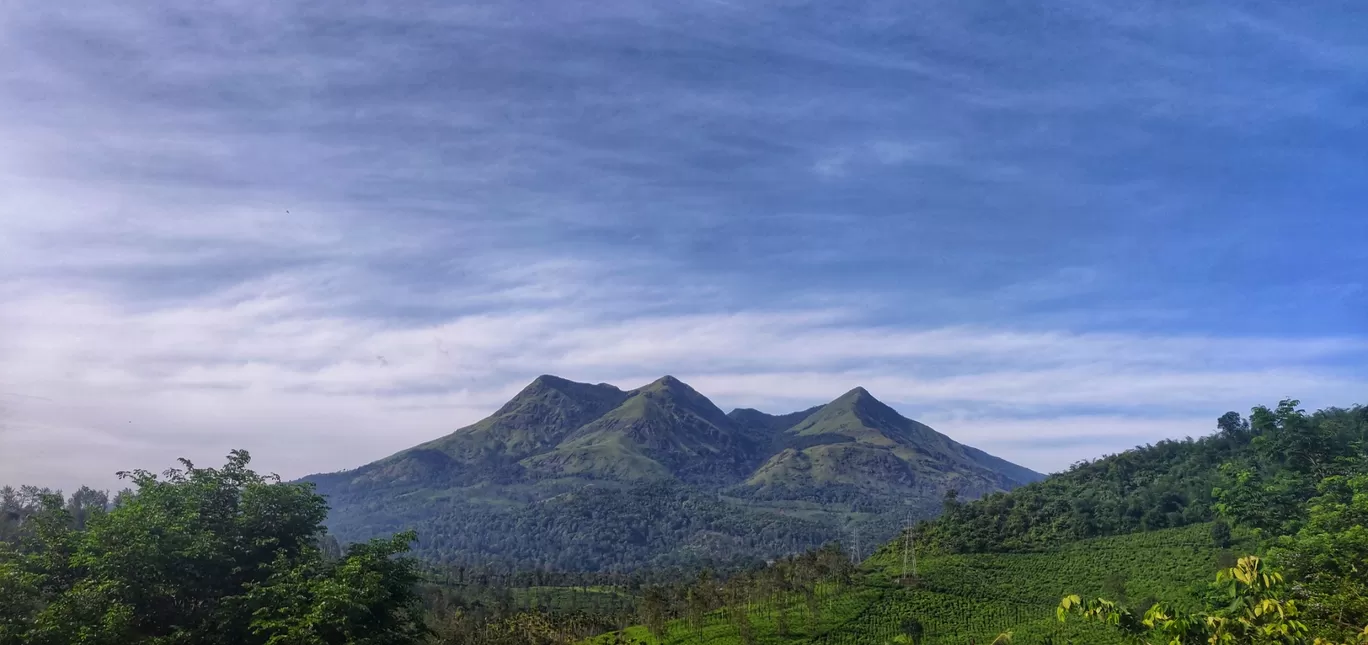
column 199, row 555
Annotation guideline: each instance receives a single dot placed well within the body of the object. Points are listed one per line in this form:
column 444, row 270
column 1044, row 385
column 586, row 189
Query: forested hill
column 592, row 476
column 1253, row 535
column 1257, row 472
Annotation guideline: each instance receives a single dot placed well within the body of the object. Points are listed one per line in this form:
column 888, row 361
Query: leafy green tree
column 1220, row 534
column 204, row 556
column 1233, row 426
column 913, row 631
column 1329, row 555
column 1256, row 611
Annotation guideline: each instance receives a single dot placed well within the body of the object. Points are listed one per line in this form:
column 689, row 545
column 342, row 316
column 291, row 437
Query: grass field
column 962, row 599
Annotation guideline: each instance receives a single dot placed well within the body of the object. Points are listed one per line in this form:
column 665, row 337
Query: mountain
column 661, row 431
column 556, row 459
column 858, row 442
column 539, row 418
column 765, row 428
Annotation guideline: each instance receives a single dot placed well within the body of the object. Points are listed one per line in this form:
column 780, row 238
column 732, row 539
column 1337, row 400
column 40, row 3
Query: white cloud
column 310, row 390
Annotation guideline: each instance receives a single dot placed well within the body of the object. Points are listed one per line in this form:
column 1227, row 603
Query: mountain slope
column 663, row 430
column 535, row 420
column 559, row 442
column 764, row 429
column 859, row 442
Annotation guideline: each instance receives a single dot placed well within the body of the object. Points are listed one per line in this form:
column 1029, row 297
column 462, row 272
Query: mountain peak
column 553, row 382
column 662, row 430
column 663, row 382
column 548, row 380
column 858, row 393
column 668, row 385
column 860, row 400
column 548, row 387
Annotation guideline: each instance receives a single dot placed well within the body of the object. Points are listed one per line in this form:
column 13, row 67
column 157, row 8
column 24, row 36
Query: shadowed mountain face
column 560, row 442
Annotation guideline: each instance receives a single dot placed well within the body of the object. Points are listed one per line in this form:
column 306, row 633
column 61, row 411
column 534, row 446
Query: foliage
column 1328, row 556
column 955, row 599
column 1256, row 611
column 995, row 568
column 1256, row 473
column 206, row 556
column 595, row 527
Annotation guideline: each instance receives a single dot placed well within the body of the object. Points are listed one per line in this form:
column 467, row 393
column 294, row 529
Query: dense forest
column 658, row 525
column 1258, row 472
column 1252, row 535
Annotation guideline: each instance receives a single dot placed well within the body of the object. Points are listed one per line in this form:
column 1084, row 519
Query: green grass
column 974, row 597
column 836, row 607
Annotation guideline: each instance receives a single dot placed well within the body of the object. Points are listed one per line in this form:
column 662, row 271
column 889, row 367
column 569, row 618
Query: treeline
column 788, row 593
column 1258, row 471
column 791, row 595
column 18, row 505
column 500, row 615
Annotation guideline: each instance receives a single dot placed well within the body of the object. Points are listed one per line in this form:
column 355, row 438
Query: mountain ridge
column 853, row 459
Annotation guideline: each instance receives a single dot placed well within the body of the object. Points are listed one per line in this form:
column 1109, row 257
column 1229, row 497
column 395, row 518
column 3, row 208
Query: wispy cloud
column 281, row 372
column 328, row 232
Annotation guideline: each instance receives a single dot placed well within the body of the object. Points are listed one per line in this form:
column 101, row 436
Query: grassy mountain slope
column 665, row 429
column 535, row 420
column 765, row 429
column 857, row 441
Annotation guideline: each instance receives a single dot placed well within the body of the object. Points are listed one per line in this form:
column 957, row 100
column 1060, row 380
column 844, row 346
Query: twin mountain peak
column 557, row 430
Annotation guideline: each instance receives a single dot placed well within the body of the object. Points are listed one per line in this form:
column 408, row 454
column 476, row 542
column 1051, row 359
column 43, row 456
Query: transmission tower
column 907, row 535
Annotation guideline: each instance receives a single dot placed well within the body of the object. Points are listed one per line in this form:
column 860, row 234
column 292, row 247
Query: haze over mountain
column 702, row 484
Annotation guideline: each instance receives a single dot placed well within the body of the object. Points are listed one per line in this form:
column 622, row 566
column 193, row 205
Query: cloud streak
column 279, row 373
column 325, row 233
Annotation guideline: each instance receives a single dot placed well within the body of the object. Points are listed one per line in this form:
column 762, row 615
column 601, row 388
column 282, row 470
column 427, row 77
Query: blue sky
column 327, row 231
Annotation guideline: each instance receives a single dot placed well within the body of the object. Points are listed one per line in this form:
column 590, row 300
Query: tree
column 1329, row 555
column 1233, row 426
column 85, row 502
column 1220, row 534
column 913, row 630
column 207, row 556
column 653, row 611
column 1257, row 611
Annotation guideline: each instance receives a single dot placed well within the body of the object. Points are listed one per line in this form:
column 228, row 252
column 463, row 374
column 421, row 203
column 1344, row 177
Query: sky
column 327, row 231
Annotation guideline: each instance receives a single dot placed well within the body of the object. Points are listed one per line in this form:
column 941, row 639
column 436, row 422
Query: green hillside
column 959, row 598
column 593, row 477
column 1150, row 527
